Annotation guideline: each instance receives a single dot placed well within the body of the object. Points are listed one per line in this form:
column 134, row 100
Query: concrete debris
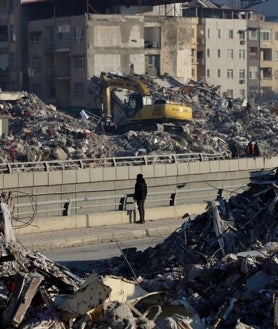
column 218, row 270
column 40, row 132
column 225, row 272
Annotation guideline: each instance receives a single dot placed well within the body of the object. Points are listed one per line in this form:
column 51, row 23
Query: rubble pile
column 39, row 132
column 224, row 263
column 218, row 270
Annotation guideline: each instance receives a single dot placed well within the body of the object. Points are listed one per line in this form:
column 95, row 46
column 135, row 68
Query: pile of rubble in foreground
column 39, row 132
column 219, row 270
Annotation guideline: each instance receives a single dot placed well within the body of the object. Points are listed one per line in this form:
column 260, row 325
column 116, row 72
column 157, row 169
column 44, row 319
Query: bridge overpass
column 61, row 195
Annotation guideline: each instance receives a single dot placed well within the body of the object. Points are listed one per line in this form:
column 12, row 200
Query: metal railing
column 8, row 168
column 123, row 202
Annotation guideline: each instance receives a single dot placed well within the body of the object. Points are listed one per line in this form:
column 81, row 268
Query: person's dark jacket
column 141, row 189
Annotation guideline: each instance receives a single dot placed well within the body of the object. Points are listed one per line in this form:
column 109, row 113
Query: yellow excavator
column 129, row 104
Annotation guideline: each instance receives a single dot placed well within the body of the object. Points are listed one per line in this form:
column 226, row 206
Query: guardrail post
column 66, row 211
column 9, row 168
column 173, row 199
column 123, row 202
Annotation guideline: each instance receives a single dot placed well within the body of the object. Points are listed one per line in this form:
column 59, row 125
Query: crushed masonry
column 40, row 132
column 218, row 270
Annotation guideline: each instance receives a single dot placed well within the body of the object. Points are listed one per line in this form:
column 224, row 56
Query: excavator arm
column 109, row 80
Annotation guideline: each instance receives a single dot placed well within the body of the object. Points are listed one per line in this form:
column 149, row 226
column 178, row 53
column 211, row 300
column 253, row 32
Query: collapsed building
column 40, row 132
column 218, row 270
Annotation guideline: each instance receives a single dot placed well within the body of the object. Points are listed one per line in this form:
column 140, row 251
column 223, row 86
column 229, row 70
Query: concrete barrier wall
column 40, row 225
column 36, row 180
column 97, row 182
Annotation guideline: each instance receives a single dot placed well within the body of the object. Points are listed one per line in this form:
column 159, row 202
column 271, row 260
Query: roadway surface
column 94, row 258
column 54, row 240
column 99, row 252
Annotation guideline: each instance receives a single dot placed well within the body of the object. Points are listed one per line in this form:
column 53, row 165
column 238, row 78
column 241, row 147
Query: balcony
column 151, row 44
column 62, row 73
column 266, row 54
column 4, row 44
column 58, row 46
column 266, row 73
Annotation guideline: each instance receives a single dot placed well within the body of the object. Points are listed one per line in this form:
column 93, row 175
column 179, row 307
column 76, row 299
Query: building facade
column 232, row 56
column 65, row 53
column 56, row 56
column 268, row 73
column 10, row 46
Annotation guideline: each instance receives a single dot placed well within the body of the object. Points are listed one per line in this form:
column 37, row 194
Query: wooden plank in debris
column 26, row 300
column 13, row 301
column 50, row 304
column 60, row 282
column 217, row 228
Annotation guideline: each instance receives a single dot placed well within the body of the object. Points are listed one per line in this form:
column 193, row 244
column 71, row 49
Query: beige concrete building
column 65, row 53
column 268, row 73
column 231, row 57
column 56, row 56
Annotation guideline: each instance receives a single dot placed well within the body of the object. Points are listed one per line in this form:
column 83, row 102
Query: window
column 219, row 33
column 36, row 37
column 78, row 89
column 276, row 36
column 230, row 53
column 265, row 35
column 4, row 62
column 12, row 62
column 253, row 72
column 276, row 75
column 208, row 33
column 37, row 64
column 230, row 34
column 79, row 33
column 230, row 93
column 218, row 73
column 253, row 34
column 276, row 55
column 208, row 73
column 242, row 93
column 63, row 32
column 3, row 33
column 208, row 52
column 12, row 33
column 266, row 73
column 36, row 88
column 230, row 74
column 79, row 61
column 241, row 35
column 242, row 74
column 192, row 33
column 241, row 54
column 219, row 52
column 253, row 53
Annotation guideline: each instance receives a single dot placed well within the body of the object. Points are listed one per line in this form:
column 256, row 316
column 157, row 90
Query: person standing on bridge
column 140, row 195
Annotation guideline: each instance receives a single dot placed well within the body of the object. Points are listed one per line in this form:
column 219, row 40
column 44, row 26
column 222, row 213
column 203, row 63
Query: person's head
column 139, row 177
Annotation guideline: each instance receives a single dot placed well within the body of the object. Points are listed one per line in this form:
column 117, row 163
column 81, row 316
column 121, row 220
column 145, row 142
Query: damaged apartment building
column 54, row 48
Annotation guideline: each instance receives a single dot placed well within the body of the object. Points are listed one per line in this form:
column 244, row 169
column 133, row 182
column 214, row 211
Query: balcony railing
column 58, row 45
column 8, row 168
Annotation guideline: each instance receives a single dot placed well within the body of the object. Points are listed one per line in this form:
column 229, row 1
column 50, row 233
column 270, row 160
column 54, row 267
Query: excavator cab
column 134, row 104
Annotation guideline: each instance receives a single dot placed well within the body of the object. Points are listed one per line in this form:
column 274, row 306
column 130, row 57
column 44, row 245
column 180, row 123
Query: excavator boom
column 141, row 109
column 108, row 79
